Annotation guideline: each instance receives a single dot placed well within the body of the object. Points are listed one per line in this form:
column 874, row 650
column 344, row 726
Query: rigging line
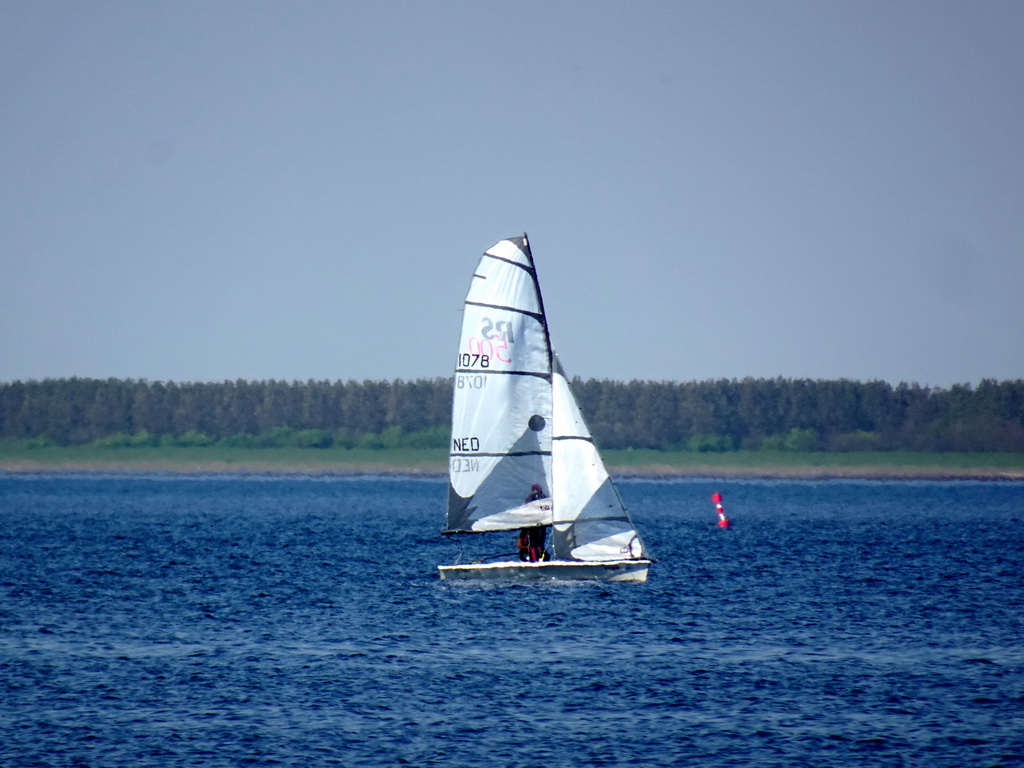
column 535, row 315
column 455, row 532
column 493, row 557
column 622, row 503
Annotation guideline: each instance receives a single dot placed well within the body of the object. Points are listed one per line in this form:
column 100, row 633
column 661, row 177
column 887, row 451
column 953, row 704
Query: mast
column 540, row 299
column 553, row 486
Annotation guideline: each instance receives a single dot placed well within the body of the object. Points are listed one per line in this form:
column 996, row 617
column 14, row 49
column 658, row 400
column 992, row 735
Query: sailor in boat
column 531, row 540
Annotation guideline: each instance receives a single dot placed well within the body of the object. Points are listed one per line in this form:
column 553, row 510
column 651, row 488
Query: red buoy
column 723, row 521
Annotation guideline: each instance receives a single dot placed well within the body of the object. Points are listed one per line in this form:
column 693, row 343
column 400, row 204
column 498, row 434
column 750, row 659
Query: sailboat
column 515, row 426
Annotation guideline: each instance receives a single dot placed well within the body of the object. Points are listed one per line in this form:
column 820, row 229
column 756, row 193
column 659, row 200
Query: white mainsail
column 515, row 422
column 501, row 410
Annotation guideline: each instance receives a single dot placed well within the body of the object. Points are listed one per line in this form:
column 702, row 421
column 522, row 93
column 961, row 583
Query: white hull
column 614, row 570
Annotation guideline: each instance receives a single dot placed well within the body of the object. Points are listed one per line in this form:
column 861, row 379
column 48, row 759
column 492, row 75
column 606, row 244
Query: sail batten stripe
column 584, row 438
column 530, row 269
column 580, row 520
column 515, row 454
column 490, row 371
column 535, row 315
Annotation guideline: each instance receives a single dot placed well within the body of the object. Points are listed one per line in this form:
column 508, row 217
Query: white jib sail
column 591, row 523
column 501, row 408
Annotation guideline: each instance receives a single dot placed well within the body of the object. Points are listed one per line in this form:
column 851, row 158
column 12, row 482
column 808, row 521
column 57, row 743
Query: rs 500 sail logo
column 492, row 344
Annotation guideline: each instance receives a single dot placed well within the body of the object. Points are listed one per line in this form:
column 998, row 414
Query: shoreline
column 432, row 470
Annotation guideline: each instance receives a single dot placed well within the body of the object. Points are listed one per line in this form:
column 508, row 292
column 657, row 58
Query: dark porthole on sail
column 537, row 422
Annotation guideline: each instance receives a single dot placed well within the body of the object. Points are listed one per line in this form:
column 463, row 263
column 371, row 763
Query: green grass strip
column 18, row 457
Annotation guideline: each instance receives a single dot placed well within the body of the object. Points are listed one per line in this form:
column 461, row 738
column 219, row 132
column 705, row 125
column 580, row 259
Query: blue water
column 232, row 621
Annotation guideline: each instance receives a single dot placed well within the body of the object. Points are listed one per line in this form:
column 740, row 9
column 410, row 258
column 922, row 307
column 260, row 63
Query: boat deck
column 550, row 570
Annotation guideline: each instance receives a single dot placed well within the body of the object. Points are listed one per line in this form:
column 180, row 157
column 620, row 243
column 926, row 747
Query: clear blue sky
column 200, row 191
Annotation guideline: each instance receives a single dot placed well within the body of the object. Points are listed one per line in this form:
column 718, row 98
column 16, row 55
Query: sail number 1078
column 469, row 360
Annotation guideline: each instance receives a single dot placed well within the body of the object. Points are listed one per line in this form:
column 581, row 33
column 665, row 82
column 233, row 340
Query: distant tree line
column 721, row 415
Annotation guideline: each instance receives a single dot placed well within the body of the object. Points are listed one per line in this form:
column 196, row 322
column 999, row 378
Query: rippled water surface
column 228, row 621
